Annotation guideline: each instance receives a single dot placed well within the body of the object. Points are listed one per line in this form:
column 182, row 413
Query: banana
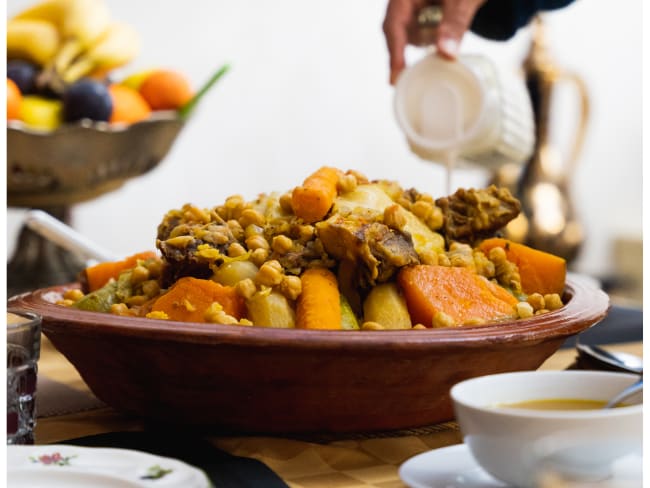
column 118, row 46
column 80, row 22
column 34, row 40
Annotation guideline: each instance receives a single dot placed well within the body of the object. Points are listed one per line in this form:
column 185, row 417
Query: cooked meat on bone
column 377, row 249
column 470, row 215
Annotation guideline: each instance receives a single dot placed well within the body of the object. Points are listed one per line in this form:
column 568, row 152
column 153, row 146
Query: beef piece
column 471, row 215
column 377, row 250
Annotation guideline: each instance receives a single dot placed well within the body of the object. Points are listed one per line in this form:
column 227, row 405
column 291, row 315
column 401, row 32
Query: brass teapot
column 548, row 220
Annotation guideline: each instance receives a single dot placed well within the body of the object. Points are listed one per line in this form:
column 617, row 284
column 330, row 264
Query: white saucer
column 455, row 467
column 60, row 465
column 447, row 467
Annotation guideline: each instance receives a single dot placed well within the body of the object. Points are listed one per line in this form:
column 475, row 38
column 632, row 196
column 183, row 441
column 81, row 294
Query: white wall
column 308, row 86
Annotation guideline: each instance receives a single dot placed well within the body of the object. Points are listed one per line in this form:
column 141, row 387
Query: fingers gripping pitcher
column 467, row 109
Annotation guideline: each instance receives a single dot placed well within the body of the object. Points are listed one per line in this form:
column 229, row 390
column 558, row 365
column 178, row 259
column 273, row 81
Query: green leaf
column 189, row 107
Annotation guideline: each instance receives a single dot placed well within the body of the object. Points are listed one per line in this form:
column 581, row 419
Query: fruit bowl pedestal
column 54, row 170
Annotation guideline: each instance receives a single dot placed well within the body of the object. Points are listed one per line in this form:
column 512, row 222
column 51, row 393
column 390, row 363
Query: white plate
column 60, row 465
column 447, row 467
column 454, row 467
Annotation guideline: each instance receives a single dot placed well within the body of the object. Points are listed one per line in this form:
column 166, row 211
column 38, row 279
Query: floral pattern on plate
column 71, row 466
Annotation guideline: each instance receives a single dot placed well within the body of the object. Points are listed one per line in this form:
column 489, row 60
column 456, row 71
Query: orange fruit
column 128, row 105
column 14, row 100
column 166, row 90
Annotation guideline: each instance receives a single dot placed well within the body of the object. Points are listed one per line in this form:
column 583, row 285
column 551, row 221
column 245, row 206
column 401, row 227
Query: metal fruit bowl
column 78, row 162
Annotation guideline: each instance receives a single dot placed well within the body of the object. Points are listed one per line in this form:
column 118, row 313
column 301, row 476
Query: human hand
column 401, row 28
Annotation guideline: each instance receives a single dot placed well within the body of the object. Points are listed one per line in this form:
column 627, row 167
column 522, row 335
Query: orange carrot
column 458, row 292
column 315, row 197
column 319, row 304
column 96, row 276
column 188, row 299
column 540, row 272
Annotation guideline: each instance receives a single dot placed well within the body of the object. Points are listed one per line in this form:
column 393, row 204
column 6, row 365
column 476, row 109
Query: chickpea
column 291, row 287
column 394, row 217
column 285, row 203
column 139, row 274
column 73, row 294
column 119, row 309
column 246, row 288
column 150, row 288
column 422, row 209
column 347, row 183
column 536, row 301
column 524, row 310
column 553, row 301
column 270, row 274
column 441, row 319
column 195, row 214
column 281, row 244
column 429, row 256
column 372, row 326
column 235, row 229
column 236, row 249
column 155, row 268
column 257, row 242
column 250, row 216
column 259, row 257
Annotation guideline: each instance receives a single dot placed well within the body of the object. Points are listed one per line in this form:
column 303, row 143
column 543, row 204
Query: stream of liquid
column 445, row 124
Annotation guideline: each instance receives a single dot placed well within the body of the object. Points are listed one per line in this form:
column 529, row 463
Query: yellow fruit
column 134, row 80
column 35, row 40
column 41, row 113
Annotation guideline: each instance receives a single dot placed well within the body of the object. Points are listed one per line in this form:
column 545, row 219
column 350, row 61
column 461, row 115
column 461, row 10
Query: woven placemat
column 414, row 431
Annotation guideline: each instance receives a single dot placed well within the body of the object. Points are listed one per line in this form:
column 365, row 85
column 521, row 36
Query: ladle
column 625, row 394
column 619, row 361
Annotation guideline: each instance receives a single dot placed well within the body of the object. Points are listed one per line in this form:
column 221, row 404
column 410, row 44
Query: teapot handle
column 584, row 107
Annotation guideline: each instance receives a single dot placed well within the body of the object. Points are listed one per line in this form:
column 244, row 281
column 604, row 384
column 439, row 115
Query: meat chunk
column 470, row 215
column 377, row 250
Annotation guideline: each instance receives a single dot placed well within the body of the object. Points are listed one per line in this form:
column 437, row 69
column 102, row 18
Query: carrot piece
column 188, row 299
column 458, row 292
column 540, row 272
column 319, row 304
column 96, row 276
column 315, row 197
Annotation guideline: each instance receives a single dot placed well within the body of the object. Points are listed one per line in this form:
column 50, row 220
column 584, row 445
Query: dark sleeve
column 499, row 20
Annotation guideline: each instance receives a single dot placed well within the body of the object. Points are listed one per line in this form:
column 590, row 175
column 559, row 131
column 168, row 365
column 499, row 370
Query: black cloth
column 499, row 20
column 223, row 469
column 622, row 324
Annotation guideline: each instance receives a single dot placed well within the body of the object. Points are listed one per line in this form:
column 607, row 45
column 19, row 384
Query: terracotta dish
column 253, row 379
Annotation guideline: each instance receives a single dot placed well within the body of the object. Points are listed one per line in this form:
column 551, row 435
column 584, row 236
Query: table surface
column 71, row 411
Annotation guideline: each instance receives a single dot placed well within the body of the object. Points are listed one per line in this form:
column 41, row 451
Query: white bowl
column 513, row 444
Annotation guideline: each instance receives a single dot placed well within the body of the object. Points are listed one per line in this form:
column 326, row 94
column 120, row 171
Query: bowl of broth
column 515, row 423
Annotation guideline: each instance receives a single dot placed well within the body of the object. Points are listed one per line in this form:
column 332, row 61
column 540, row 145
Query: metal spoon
column 625, row 394
column 66, row 237
column 619, row 361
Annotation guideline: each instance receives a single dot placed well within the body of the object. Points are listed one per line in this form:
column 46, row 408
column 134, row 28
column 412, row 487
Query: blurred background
column 308, row 86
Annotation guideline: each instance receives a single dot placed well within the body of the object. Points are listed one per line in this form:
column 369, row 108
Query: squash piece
column 95, row 277
column 540, row 272
column 188, row 299
column 349, row 320
column 459, row 293
column 386, row 305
